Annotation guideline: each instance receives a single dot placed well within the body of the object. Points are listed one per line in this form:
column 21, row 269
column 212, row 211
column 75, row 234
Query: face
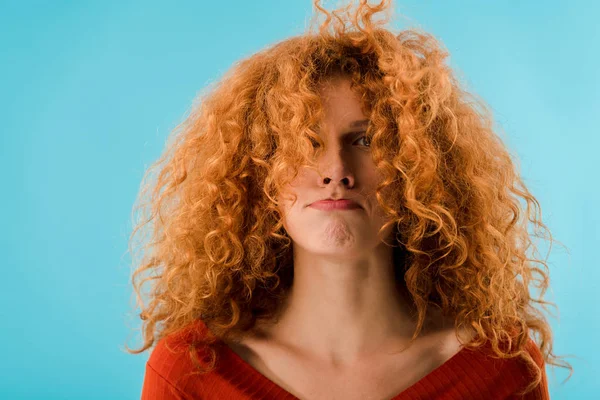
column 346, row 171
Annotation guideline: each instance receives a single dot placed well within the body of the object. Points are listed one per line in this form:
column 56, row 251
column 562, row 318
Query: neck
column 341, row 310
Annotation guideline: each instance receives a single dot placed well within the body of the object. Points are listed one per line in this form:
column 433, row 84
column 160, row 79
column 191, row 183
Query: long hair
column 211, row 237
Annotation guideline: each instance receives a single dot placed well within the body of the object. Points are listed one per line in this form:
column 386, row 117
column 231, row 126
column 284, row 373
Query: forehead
column 336, row 88
column 341, row 105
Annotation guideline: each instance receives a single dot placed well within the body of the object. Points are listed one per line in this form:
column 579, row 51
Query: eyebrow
column 363, row 123
column 359, row 124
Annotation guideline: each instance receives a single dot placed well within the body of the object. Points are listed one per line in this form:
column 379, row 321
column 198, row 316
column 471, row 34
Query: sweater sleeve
column 156, row 387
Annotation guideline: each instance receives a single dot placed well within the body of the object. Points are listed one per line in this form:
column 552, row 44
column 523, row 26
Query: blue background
column 91, row 90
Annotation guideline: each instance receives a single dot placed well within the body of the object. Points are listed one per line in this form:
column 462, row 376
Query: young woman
column 338, row 220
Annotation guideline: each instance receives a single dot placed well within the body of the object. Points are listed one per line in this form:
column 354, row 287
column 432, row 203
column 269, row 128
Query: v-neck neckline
column 410, row 392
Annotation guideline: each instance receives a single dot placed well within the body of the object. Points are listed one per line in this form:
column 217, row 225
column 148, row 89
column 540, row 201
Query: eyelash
column 365, row 137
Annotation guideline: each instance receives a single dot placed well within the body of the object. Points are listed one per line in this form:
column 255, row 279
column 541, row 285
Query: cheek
column 370, row 180
column 370, row 173
column 290, row 210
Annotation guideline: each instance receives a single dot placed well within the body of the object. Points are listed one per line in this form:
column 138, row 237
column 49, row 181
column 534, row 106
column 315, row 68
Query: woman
column 337, row 219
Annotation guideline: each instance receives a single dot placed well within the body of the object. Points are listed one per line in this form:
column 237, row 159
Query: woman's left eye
column 367, row 140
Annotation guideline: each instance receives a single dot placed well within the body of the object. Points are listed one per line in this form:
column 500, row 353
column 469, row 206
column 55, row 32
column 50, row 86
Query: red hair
column 215, row 248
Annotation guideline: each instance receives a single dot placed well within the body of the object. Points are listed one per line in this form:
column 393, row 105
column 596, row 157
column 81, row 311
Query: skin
column 342, row 269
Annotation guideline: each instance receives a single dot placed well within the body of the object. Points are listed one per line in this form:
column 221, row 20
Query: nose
column 336, row 168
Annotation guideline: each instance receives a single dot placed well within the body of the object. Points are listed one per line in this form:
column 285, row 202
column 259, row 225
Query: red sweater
column 467, row 375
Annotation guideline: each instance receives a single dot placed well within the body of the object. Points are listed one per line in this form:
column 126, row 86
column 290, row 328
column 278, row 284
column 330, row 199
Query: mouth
column 330, row 205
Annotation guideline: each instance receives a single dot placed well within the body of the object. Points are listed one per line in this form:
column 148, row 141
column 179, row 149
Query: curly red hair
column 215, row 248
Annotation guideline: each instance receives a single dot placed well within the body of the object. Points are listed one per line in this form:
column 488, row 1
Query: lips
column 342, row 204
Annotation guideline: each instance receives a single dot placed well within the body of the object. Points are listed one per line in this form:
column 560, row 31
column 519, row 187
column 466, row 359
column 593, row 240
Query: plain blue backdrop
column 90, row 90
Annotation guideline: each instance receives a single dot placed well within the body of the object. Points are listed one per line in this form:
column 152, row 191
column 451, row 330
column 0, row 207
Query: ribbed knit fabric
column 467, row 375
